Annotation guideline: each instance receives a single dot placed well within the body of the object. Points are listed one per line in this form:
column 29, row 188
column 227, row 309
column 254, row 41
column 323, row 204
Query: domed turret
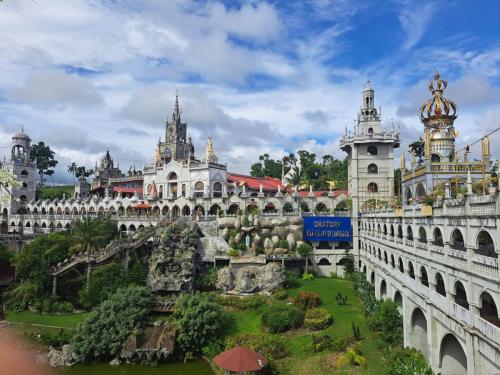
column 438, row 107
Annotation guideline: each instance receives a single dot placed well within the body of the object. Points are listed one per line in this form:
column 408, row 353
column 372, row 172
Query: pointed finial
column 22, row 128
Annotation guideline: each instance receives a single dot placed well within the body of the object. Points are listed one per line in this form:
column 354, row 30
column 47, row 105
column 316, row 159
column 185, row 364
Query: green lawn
column 303, row 360
column 53, row 192
column 54, row 320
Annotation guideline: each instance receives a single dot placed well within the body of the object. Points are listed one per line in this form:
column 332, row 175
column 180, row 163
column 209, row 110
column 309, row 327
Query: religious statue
column 485, row 147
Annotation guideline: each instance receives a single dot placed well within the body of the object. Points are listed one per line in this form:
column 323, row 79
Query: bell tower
column 175, row 146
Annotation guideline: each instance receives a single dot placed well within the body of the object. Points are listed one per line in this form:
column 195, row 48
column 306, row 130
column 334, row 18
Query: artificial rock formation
column 250, row 275
column 155, row 343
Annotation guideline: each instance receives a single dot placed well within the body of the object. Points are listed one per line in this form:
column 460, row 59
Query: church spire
column 176, row 117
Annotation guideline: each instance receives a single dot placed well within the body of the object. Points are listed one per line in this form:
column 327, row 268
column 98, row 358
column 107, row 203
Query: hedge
column 317, row 318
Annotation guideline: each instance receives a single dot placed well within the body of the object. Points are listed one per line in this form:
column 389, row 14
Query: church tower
column 370, row 158
column 176, row 145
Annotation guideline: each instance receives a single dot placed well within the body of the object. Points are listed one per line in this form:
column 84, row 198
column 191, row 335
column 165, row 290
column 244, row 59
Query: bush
column 304, row 249
column 22, row 296
column 242, row 246
column 307, row 276
column 356, row 332
column 307, row 300
column 341, row 299
column 103, row 333
column 391, row 323
column 259, row 250
column 248, row 302
column 283, row 244
column 270, row 346
column 104, row 281
column 317, row 318
column 137, row 274
column 280, row 294
column 200, row 320
column 52, row 305
column 320, row 343
column 206, row 279
column 291, row 280
column 232, row 252
column 213, row 348
column 406, row 361
column 280, row 317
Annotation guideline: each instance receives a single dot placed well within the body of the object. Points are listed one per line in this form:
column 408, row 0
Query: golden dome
column 438, row 106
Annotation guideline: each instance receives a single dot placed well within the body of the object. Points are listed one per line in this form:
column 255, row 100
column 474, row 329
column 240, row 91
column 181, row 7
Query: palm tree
column 89, row 235
column 351, row 358
column 72, row 168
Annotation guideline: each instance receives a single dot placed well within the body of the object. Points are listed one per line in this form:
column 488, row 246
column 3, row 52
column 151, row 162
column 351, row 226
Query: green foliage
column 6, row 255
column 280, row 317
column 356, row 333
column 280, row 294
column 291, row 280
column 213, row 348
column 48, row 338
column 307, row 300
column 406, row 361
column 348, row 264
column 283, row 244
column 104, row 280
column 317, row 318
column 53, row 305
column 429, row 199
column 391, row 323
column 321, row 343
column 341, row 299
column 36, row 258
column 54, row 192
column 304, row 249
column 242, row 246
column 200, row 320
column 91, row 233
column 270, row 346
column 137, row 274
column 233, row 232
column 232, row 252
column 417, row 148
column 259, row 250
column 246, row 222
column 22, row 296
column 307, row 276
column 206, row 279
column 287, row 207
column 45, row 161
column 103, row 333
column 242, row 303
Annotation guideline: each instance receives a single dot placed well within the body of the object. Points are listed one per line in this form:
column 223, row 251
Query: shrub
column 104, row 281
column 341, row 299
column 270, row 346
column 206, row 279
column 304, row 249
column 307, row 276
column 200, row 320
column 137, row 274
column 283, row 244
column 106, row 328
column 307, row 300
column 22, row 296
column 242, row 246
column 356, row 333
column 280, row 294
column 233, row 232
column 406, row 361
column 213, row 348
column 391, row 323
column 232, row 252
column 291, row 280
column 320, row 343
column 259, row 250
column 317, row 318
column 249, row 302
column 52, row 305
column 280, row 317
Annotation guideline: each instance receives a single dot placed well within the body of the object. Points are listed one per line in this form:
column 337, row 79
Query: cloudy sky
column 259, row 76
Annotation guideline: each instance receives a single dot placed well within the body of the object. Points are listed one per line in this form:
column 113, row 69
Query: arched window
column 423, row 276
column 420, row 192
column 393, row 263
column 488, row 309
column 269, row 208
column 461, row 295
column 440, row 288
column 372, row 187
column 409, row 233
column 485, row 245
column 438, row 237
column 386, row 260
column 324, row 262
column 321, row 207
column 372, row 168
column 401, row 267
column 183, row 190
column 370, row 130
column 411, row 271
column 217, row 193
column 372, row 150
column 172, row 176
column 24, row 172
column 392, row 231
column 408, row 195
column 400, row 231
column 287, row 207
column 422, row 235
column 199, row 189
column 457, row 240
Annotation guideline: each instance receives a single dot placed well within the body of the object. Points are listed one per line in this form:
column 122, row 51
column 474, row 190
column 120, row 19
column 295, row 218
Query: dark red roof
column 142, row 205
column 127, row 190
column 253, row 183
column 240, row 360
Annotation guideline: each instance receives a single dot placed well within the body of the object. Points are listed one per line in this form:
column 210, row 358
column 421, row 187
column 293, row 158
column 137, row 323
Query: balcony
column 409, row 242
column 485, row 265
column 422, row 245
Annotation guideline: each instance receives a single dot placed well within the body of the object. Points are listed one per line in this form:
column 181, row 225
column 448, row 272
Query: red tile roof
column 253, row 183
column 127, row 190
column 142, row 205
column 240, row 360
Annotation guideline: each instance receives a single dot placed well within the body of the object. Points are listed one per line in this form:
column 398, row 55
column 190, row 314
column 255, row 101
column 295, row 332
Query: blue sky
column 259, row 76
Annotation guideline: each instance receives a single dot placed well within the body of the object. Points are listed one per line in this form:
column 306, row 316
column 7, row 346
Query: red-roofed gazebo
column 240, row 360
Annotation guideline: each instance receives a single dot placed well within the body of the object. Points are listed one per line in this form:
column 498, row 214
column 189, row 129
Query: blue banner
column 327, row 228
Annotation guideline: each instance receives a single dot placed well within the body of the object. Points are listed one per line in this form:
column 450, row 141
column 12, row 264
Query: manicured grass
column 53, row 320
column 302, row 359
column 53, row 192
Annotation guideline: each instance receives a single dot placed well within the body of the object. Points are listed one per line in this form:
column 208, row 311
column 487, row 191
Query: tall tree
column 45, row 161
column 83, row 171
column 72, row 168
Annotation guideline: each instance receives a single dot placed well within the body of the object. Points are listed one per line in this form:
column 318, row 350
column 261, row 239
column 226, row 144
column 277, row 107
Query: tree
column 351, row 358
column 45, row 161
column 6, row 255
column 304, row 250
column 417, row 148
column 391, row 323
column 200, row 320
column 83, row 171
column 102, row 334
column 72, row 168
column 406, row 361
column 90, row 234
column 7, row 181
column 105, row 281
column 348, row 263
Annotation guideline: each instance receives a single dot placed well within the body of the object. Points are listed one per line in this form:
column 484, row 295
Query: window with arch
column 24, row 172
column 400, row 231
column 411, row 270
column 440, row 288
column 372, row 168
column 370, row 131
column 217, row 193
column 420, row 192
column 199, row 189
column 408, row 195
column 457, row 240
column 488, row 309
column 183, row 190
column 485, row 245
column 409, row 233
column 438, row 237
column 422, row 235
column 372, row 187
column 461, row 295
column 172, row 176
column 424, row 279
column 372, row 150
column 401, row 266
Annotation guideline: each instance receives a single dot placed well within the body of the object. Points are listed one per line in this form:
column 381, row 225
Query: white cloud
column 414, row 18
